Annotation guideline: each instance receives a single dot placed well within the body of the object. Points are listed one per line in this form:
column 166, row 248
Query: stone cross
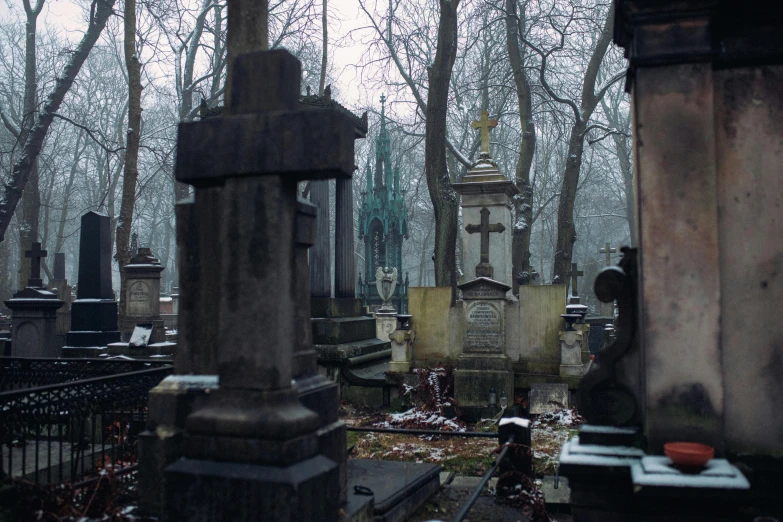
column 35, row 254
column 608, row 250
column 574, row 274
column 484, row 124
column 484, row 269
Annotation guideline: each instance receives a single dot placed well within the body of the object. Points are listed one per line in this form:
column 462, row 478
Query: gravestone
column 252, row 450
column 546, row 397
column 386, row 316
column 142, row 297
column 483, row 363
column 94, row 312
column 34, row 314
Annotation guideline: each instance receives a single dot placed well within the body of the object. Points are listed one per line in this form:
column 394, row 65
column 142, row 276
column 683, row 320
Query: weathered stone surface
column 340, row 330
column 548, row 397
column 385, row 324
column 336, row 307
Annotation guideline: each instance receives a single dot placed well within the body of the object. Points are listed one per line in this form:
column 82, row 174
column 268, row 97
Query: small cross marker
column 574, row 275
column 608, row 250
column 35, row 254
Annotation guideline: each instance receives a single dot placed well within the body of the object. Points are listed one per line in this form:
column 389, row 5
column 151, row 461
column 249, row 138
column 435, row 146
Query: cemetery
column 335, row 315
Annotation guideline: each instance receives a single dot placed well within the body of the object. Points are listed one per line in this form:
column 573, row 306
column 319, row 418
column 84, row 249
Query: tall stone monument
column 94, row 312
column 34, row 314
column 486, row 258
column 253, row 451
column 487, row 214
column 63, row 289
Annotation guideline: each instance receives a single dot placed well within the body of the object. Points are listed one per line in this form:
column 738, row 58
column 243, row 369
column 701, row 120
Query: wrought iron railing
column 66, row 432
column 24, row 372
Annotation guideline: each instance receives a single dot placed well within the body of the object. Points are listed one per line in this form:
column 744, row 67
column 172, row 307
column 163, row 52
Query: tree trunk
column 324, row 55
column 523, row 207
column 31, row 202
column 12, row 191
column 445, row 201
column 131, row 173
column 622, row 148
column 566, row 230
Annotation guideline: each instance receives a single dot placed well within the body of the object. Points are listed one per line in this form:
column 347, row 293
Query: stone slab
column 546, row 397
column 341, row 330
column 399, row 488
column 93, row 315
column 305, row 491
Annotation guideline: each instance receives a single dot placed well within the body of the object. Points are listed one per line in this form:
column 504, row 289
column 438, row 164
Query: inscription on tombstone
column 483, row 332
column 139, row 299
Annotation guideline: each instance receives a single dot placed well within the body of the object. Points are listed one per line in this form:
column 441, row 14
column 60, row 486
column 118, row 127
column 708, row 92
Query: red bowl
column 688, row 454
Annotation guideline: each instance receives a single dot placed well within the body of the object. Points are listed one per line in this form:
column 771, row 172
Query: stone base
column 342, row 329
column 399, row 488
column 209, row 491
column 400, row 366
column 385, row 323
column 85, row 339
column 166, row 348
column 340, row 353
column 170, row 403
column 96, row 315
column 85, row 351
column 571, row 370
column 476, row 374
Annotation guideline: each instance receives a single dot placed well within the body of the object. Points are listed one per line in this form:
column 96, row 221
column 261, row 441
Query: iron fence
column 25, row 372
column 66, row 432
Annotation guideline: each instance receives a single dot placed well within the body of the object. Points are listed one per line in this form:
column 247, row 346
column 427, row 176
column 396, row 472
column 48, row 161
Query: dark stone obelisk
column 94, row 312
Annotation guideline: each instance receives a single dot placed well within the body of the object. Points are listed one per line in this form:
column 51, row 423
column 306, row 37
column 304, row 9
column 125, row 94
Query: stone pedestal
column 483, row 363
column 571, row 343
column 402, row 350
column 142, row 296
column 385, row 324
column 484, row 187
column 34, row 319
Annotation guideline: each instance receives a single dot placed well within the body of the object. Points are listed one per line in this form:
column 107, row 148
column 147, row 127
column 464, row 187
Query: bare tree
column 100, row 11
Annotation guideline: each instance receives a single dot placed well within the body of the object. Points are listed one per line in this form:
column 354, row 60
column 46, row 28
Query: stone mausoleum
column 383, row 222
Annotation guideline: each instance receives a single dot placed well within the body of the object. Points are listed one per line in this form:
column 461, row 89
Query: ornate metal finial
column 134, row 246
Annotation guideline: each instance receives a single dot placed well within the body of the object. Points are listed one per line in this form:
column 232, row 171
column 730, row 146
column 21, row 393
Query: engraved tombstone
column 483, row 363
column 142, row 296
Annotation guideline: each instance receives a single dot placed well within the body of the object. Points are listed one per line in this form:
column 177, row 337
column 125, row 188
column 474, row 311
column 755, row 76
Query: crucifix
column 484, row 269
column 574, row 274
column 35, row 254
column 484, row 124
column 608, row 250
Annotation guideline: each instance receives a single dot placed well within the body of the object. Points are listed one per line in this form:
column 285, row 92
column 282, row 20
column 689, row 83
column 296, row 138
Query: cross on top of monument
column 35, row 254
column 574, row 275
column 484, row 269
column 608, row 250
column 484, row 124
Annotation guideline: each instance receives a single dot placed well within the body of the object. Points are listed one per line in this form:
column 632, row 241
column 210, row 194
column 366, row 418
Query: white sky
column 345, row 15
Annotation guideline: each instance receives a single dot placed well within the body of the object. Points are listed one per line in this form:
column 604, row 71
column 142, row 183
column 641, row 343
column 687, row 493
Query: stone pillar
column 385, row 324
column 142, row 298
column 344, row 258
column 320, row 254
column 571, row 343
column 402, row 346
column 253, row 450
column 94, row 312
column 60, row 284
column 483, row 363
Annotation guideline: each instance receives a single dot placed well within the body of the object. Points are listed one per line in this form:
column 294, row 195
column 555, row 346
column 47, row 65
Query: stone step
column 340, row 330
column 336, row 307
